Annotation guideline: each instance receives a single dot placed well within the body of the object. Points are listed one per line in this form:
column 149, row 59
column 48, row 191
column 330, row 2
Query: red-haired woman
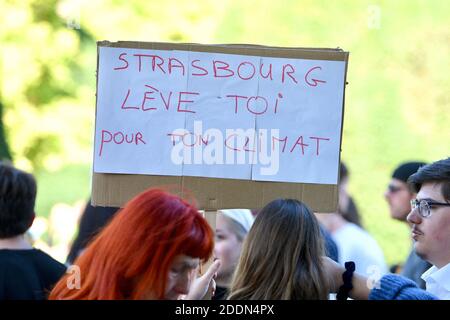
column 150, row 250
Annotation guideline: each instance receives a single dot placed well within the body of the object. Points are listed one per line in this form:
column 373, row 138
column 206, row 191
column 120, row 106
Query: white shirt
column 356, row 244
column 438, row 281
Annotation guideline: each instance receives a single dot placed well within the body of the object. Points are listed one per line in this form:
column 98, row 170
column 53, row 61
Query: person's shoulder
column 30, row 258
column 5, row 254
column 355, row 228
column 49, row 269
column 44, row 257
column 353, row 231
column 15, row 267
column 13, row 257
column 365, row 245
column 359, row 232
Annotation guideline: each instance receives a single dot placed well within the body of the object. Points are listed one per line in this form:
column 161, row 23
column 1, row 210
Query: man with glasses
column 398, row 196
column 430, row 219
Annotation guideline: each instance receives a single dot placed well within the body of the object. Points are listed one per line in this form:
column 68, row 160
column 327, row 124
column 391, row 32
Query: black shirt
column 28, row 274
column 220, row 294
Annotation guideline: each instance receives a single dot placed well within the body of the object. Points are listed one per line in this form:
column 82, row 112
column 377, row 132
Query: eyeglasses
column 424, row 206
column 393, row 189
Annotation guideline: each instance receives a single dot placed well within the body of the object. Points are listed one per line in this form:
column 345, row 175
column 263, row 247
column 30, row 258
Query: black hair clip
column 347, row 277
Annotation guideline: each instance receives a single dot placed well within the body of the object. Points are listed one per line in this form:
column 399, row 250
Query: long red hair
column 134, row 252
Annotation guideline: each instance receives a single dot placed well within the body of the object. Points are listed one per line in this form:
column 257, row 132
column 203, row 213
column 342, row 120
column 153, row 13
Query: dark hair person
column 430, row 219
column 281, row 256
column 347, row 206
column 26, row 273
column 92, row 221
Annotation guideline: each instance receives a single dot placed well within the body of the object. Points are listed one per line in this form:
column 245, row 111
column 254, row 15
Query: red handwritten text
column 119, row 137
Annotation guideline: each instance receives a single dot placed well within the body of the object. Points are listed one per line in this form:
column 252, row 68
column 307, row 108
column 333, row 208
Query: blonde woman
column 281, row 257
column 232, row 225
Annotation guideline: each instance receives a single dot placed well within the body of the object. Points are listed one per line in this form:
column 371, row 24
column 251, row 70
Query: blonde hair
column 281, row 256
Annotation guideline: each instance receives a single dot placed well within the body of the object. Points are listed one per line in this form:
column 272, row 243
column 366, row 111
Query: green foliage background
column 397, row 101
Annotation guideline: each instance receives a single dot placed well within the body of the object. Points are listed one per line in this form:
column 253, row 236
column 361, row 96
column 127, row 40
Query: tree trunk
column 4, row 149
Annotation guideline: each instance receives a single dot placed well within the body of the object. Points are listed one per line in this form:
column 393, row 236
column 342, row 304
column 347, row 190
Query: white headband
column 242, row 216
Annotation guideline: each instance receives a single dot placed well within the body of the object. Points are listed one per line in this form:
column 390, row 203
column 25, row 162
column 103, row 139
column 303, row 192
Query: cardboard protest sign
column 237, row 125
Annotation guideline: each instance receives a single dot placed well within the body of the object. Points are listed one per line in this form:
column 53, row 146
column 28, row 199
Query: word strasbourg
column 246, row 70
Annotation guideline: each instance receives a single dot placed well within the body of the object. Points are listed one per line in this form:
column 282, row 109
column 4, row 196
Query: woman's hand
column 204, row 286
